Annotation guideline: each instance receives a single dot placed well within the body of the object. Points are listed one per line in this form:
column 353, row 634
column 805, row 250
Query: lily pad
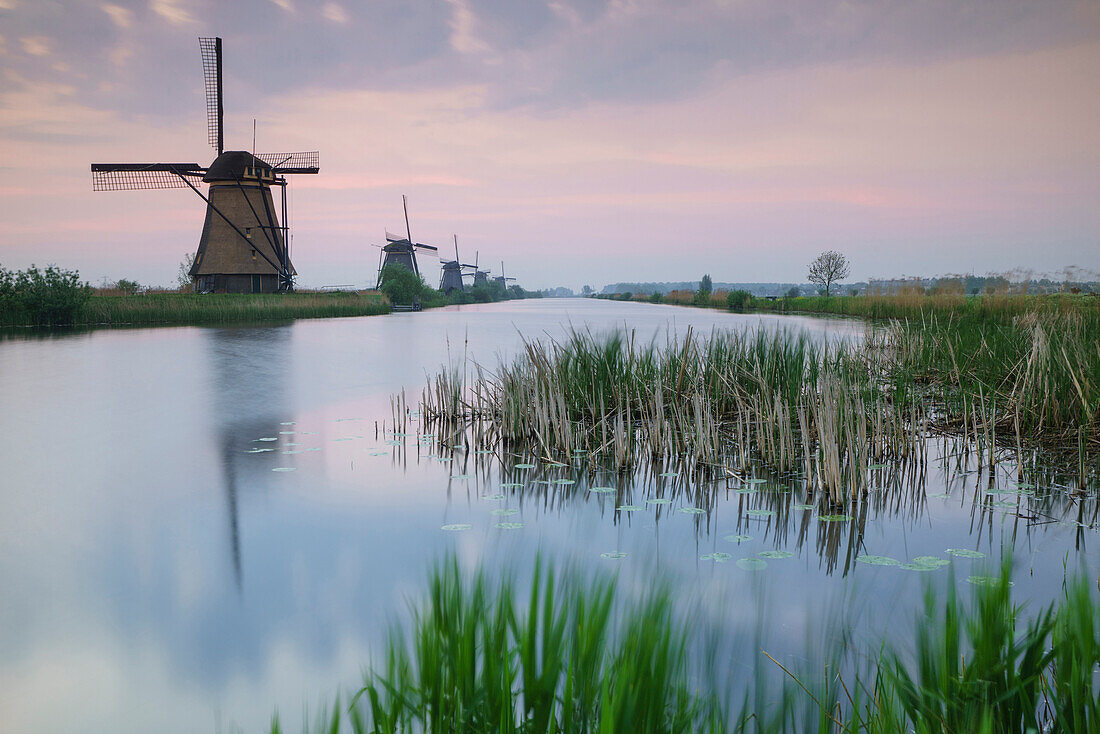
column 693, row 511
column 258, row 451
column 658, row 501
column 760, row 513
column 564, row 481
column 512, row 485
column 283, row 468
column 504, row 512
column 775, row 554
column 916, row 567
column 987, row 581
column 738, row 538
column 483, row 452
column 525, row 466
column 380, row 453
column 602, row 490
column 269, row 438
column 878, row 560
column 293, row 451
column 751, row 564
column 932, row 561
column 668, row 474
column 454, row 527
column 613, row 555
column 964, row 553
column 716, row 557
column 745, row 490
column 287, row 423
column 509, row 525
column 496, row 497
column 287, row 433
column 802, row 507
column 755, row 481
column 834, row 518
column 462, row 476
column 394, row 443
column 876, row 466
column 629, row 508
column 1023, row 485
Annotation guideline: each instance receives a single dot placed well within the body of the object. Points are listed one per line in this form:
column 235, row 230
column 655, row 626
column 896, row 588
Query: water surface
column 162, row 570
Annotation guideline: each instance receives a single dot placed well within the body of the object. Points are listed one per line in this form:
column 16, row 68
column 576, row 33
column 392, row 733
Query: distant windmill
column 501, row 278
column 242, row 248
column 451, row 274
column 402, row 250
column 481, row 277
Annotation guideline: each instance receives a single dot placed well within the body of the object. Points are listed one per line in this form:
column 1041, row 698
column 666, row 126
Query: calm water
column 158, row 573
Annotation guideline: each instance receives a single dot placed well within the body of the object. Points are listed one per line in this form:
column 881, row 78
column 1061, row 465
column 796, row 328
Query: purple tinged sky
column 580, row 141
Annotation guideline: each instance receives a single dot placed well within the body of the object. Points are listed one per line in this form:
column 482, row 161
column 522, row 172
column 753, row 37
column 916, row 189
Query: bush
column 403, row 286
column 50, row 297
column 738, row 300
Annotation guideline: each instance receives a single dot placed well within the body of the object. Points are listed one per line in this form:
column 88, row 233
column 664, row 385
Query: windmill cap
column 235, row 164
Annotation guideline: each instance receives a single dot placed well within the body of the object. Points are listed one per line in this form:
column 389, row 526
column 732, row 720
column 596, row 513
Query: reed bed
column 826, row 411
column 576, row 655
column 177, row 308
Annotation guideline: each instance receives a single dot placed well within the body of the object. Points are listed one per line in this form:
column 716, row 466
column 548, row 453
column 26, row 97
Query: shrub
column 50, row 297
column 402, row 285
column 738, row 300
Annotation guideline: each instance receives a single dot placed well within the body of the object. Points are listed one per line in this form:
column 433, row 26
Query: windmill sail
column 211, row 49
column 137, row 176
column 307, row 162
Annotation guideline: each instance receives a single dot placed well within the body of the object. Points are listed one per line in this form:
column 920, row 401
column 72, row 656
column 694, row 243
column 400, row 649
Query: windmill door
column 255, row 284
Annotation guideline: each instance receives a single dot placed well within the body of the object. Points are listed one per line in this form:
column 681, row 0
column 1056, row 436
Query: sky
column 579, row 141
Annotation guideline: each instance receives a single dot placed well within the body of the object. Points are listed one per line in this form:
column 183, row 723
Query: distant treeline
column 972, row 285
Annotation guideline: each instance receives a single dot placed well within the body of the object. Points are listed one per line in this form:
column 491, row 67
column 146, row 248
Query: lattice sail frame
column 137, row 176
column 303, row 162
column 210, row 48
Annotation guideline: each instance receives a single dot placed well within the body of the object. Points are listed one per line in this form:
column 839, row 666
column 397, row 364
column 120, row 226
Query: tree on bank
column 828, row 268
column 706, row 286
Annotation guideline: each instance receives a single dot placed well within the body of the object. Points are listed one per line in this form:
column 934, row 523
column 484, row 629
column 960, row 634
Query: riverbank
column 214, row 308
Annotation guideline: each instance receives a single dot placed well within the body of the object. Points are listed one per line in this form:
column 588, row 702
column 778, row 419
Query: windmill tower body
column 481, row 277
column 452, row 277
column 239, row 202
column 401, row 251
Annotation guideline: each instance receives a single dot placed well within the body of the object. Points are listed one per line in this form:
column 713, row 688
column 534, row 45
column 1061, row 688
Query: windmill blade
column 134, row 176
column 306, row 162
column 393, row 237
column 428, row 249
column 211, row 50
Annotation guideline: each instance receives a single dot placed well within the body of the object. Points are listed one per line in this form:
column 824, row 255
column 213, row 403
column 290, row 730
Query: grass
column 576, row 656
column 178, row 308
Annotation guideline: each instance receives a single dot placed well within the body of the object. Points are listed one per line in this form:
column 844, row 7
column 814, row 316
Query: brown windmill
column 243, row 249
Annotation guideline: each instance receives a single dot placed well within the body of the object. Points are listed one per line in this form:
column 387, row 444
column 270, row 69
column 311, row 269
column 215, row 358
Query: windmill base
column 225, row 283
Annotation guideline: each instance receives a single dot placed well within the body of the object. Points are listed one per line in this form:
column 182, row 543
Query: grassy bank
column 179, row 308
column 577, row 656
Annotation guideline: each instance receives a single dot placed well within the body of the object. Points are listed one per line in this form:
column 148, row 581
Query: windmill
column 481, row 277
column 501, row 278
column 451, row 274
column 242, row 249
column 402, row 250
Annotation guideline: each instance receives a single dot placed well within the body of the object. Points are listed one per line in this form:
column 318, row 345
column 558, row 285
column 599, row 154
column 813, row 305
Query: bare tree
column 828, row 268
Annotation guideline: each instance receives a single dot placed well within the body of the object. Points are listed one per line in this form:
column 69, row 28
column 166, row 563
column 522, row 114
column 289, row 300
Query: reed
column 175, row 308
column 576, row 656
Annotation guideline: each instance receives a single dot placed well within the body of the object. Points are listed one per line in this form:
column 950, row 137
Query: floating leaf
column 462, row 476
column 293, row 451
column 270, row 438
column 258, row 451
column 716, row 557
column 834, row 518
column 878, row 560
column 444, row 459
column 512, row 485
column 745, row 490
column 802, row 507
column 456, row 526
column 964, row 553
column 505, row 512
column 1023, row 485
column 564, row 481
column 876, row 466
column 525, row 466
column 483, row 452
column 669, row 474
column 775, row 554
column 751, row 564
column 287, row 423
column 286, row 433
column 760, row 513
column 692, row 511
column 987, row 581
column 629, row 508
column 613, row 554
column 942, row 496
column 394, row 443
column 658, row 501
column 602, row 490
column 738, row 538
column 509, row 525
column 755, row 481
column 494, row 496
column 931, row 561
column 283, row 468
column 380, row 453
column 916, row 567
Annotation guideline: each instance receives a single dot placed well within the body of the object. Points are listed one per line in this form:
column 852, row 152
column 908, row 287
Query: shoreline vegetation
column 574, row 654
